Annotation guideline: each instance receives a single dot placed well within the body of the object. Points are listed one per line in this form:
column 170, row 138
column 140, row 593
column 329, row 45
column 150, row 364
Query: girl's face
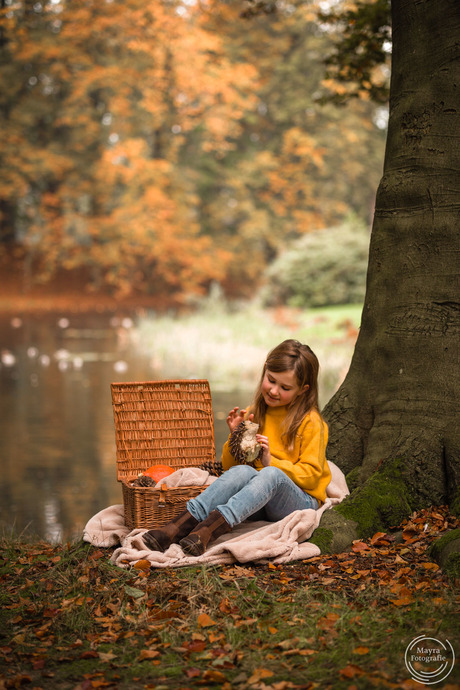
column 280, row 388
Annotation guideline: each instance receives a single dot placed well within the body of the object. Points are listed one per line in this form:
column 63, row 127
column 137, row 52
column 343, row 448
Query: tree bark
column 397, row 410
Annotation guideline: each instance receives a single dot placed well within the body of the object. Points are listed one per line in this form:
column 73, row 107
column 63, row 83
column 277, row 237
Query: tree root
column 380, row 504
column 446, row 552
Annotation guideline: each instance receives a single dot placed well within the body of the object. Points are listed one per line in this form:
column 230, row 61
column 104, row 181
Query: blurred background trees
column 321, row 268
column 162, row 147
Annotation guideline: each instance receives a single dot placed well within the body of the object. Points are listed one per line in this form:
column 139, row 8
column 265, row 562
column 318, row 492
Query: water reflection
column 57, row 451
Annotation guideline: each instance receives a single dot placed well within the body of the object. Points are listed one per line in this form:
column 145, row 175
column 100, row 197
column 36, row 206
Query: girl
column 292, row 473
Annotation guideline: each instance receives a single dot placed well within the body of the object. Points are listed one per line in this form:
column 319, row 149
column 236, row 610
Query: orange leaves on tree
column 297, row 143
column 172, row 157
column 124, row 95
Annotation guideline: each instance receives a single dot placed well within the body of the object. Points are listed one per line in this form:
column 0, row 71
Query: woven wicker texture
column 160, row 422
column 148, row 508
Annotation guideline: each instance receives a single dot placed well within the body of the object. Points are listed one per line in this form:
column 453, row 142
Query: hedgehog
column 243, row 445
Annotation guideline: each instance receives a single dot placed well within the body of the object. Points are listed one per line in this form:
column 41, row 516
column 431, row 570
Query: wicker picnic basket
column 160, row 422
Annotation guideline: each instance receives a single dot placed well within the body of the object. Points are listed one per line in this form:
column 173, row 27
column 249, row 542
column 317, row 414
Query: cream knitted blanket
column 278, row 542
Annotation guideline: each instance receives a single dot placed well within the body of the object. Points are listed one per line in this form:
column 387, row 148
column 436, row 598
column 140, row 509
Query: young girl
column 292, row 473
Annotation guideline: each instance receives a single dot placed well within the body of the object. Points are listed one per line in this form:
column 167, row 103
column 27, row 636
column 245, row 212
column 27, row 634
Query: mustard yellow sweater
column 306, row 464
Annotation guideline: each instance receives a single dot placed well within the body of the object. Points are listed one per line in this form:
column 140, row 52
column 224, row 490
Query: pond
column 57, row 452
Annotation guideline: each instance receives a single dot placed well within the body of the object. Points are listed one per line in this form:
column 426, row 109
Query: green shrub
column 324, row 267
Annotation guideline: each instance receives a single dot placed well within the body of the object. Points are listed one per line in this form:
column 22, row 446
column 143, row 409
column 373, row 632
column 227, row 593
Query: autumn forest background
column 183, row 185
column 164, row 148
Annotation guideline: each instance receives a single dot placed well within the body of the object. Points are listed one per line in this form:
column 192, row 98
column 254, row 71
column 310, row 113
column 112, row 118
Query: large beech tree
column 394, row 423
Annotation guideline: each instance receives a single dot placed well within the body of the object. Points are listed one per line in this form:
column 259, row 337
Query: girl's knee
column 243, row 471
column 273, row 473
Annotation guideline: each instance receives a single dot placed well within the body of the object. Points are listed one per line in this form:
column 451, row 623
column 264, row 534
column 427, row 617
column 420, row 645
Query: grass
column 69, row 619
column 228, row 348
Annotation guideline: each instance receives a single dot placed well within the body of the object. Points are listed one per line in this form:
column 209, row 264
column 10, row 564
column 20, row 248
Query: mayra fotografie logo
column 429, row 660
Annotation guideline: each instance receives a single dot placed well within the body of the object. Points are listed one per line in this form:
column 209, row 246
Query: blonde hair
column 291, row 355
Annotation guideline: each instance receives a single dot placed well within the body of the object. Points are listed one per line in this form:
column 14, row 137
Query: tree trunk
column 394, row 423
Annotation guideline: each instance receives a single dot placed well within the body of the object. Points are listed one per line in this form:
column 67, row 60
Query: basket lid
column 162, row 422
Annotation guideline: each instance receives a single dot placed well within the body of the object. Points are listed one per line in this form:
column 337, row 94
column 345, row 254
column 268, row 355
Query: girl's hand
column 266, row 455
column 235, row 417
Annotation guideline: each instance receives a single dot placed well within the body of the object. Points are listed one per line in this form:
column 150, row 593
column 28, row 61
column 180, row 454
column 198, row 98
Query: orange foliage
column 138, row 145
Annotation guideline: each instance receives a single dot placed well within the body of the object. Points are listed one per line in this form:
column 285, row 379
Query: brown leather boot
column 161, row 539
column 198, row 539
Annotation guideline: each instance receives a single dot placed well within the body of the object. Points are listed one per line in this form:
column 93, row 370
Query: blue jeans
column 242, row 492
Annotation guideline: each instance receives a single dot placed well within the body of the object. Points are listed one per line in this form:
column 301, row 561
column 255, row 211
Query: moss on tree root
column 335, row 533
column 446, row 552
column 455, row 504
column 383, row 502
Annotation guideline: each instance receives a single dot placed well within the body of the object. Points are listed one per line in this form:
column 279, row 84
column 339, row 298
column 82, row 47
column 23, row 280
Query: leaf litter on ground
column 70, row 619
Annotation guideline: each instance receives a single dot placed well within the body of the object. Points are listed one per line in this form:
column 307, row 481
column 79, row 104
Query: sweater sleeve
column 227, row 458
column 310, row 470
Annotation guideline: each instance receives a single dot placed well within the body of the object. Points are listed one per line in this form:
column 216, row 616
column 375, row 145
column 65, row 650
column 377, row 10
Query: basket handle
column 162, row 496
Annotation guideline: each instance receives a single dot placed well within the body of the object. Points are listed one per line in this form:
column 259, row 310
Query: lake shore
column 68, row 293
column 71, row 298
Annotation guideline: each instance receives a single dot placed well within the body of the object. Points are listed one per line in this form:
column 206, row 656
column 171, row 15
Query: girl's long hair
column 291, row 355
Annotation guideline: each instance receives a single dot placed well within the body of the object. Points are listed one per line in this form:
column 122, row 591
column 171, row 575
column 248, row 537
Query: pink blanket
column 279, row 542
